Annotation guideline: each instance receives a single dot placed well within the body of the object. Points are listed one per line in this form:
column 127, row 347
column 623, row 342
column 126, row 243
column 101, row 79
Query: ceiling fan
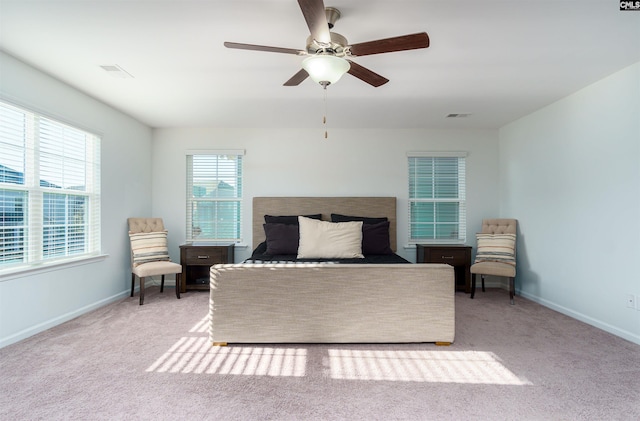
column 327, row 52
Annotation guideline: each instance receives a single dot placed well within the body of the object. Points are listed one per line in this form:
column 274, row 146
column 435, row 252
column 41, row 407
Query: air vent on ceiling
column 458, row 115
column 116, row 71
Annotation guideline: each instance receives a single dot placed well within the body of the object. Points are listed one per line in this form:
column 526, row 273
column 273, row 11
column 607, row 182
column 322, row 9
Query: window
column 214, row 196
column 437, row 208
column 49, row 190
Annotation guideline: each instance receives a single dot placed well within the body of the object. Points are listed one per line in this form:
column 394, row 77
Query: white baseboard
column 492, row 282
column 41, row 327
column 155, row 281
column 583, row 318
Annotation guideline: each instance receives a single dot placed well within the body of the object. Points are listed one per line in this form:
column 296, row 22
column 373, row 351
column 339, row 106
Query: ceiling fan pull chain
column 324, row 118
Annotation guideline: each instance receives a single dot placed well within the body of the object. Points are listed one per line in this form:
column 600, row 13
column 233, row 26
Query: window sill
column 24, row 271
column 435, row 243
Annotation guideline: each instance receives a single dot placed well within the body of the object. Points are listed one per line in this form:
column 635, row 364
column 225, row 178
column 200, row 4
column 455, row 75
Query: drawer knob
column 203, row 257
column 447, row 257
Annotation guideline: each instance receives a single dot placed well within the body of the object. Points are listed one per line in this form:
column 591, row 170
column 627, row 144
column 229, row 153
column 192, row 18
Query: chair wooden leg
column 482, row 277
column 162, row 284
column 512, row 289
column 178, row 285
column 141, row 290
column 473, row 285
column 133, row 282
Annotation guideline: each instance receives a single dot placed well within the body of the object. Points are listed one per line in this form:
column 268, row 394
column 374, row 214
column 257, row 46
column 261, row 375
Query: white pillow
column 329, row 240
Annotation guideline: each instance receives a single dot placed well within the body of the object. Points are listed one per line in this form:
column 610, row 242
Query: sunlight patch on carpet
column 421, row 366
column 202, row 326
column 196, row 355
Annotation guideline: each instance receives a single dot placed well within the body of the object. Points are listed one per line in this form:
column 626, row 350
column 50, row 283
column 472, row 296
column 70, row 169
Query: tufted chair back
column 137, row 225
column 499, row 226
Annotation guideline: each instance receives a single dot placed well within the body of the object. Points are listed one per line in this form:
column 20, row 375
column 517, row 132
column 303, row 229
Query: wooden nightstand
column 196, row 260
column 457, row 256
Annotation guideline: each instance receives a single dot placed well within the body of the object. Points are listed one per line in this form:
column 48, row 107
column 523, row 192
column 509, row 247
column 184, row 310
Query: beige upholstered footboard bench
column 331, row 303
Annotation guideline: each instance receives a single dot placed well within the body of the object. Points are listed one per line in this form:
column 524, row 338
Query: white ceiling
column 496, row 60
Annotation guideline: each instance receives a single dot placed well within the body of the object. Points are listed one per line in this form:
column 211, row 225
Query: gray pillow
column 281, row 238
column 375, row 239
column 288, row 219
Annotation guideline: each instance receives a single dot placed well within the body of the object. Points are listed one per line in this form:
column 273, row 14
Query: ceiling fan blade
column 389, row 45
column 297, row 78
column 366, row 75
column 314, row 14
column 253, row 47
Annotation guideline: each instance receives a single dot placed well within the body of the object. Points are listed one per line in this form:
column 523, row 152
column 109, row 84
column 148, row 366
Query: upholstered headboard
column 354, row 206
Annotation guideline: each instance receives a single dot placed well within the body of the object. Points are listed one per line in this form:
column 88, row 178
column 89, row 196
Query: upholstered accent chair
column 496, row 253
column 150, row 253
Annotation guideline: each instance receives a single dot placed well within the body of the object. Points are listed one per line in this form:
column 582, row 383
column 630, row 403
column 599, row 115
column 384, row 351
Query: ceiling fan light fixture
column 325, row 69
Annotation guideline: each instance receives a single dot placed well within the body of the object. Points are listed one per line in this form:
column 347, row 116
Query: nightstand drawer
column 205, row 256
column 196, row 260
column 457, row 256
column 447, row 255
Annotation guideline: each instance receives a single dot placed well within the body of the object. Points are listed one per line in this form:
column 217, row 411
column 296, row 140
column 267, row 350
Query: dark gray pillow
column 336, row 217
column 375, row 238
column 281, row 238
column 288, row 219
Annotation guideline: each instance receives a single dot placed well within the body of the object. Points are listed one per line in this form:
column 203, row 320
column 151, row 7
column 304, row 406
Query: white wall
column 570, row 173
column 294, row 162
column 35, row 302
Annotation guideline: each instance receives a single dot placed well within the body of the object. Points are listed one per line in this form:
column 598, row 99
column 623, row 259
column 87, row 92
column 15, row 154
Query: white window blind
column 49, row 190
column 437, row 205
column 214, row 196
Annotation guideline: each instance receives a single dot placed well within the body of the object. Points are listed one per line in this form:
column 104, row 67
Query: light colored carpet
column 153, row 362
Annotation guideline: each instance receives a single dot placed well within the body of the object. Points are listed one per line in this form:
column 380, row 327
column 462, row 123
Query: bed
column 309, row 298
